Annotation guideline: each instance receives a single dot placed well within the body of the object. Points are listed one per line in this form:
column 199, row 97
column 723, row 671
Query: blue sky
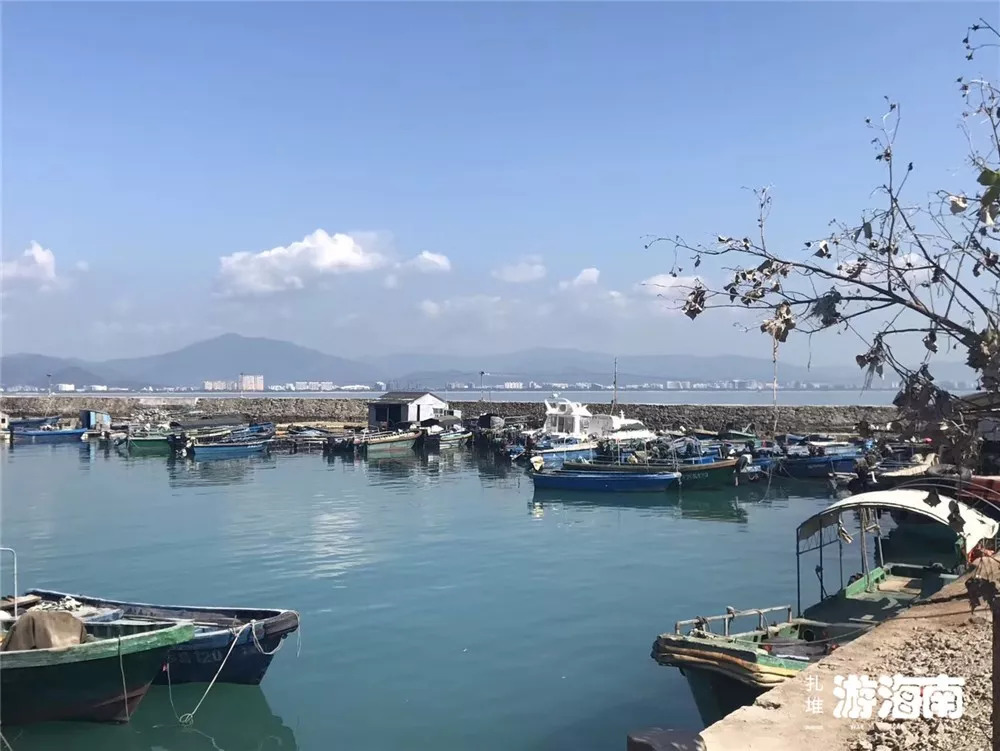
column 449, row 177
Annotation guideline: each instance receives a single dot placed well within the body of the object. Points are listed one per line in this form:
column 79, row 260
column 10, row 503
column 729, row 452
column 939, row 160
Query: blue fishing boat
column 226, row 449
column 46, row 435
column 822, row 460
column 235, row 643
column 616, row 482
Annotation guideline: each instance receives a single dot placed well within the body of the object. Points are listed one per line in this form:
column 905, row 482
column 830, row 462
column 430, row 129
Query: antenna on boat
column 614, row 402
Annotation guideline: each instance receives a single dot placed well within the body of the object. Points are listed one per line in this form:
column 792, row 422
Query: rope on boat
column 121, row 667
column 6, row 743
column 281, row 641
column 188, row 718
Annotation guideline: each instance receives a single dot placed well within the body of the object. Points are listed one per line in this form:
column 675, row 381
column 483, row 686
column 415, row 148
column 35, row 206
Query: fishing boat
column 239, row 641
column 820, row 459
column 454, row 437
column 614, row 482
column 385, row 442
column 709, row 473
column 226, row 449
column 46, row 434
column 148, row 443
column 55, row 667
column 699, row 466
column 565, row 435
column 730, row 669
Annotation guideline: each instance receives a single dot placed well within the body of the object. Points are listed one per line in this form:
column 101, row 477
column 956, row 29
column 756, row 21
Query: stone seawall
column 800, row 418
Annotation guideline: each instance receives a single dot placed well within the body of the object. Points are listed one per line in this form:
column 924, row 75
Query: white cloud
column 528, row 269
column 483, row 305
column 82, row 266
column 36, row 266
column 586, row 277
column 430, row 308
column 391, row 281
column 294, row 266
column 428, row 262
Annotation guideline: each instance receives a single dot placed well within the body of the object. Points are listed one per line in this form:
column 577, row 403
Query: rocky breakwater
column 124, row 408
column 791, row 419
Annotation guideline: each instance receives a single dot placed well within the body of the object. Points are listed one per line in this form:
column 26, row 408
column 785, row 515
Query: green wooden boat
column 100, row 679
column 153, row 443
column 731, row 669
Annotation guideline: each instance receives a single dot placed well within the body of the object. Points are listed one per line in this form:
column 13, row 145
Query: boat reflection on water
column 186, row 473
column 391, row 470
column 233, row 718
column 712, row 506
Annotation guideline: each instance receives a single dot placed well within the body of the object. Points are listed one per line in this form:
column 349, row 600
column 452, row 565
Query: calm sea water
column 443, row 606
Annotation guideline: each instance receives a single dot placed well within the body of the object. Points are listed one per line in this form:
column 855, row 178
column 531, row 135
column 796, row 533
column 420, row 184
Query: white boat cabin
column 573, row 419
column 620, row 428
column 566, row 418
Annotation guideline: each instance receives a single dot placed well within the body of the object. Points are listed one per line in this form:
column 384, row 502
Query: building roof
column 405, row 397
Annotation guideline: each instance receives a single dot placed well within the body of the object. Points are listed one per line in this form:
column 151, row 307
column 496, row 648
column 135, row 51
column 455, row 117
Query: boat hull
column 226, row 451
column 88, row 691
column 813, row 467
column 712, row 475
column 92, row 682
column 718, row 695
column 389, row 447
column 148, row 445
column 198, row 660
column 47, row 436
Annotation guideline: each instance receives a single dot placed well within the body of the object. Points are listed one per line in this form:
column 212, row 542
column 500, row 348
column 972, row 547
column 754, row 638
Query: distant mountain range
column 226, row 356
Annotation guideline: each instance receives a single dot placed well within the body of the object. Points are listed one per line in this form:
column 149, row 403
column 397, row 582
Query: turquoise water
column 443, row 607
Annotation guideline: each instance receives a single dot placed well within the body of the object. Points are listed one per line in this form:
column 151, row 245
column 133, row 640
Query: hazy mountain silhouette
column 225, row 357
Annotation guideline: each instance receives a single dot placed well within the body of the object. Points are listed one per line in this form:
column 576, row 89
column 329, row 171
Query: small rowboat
column 226, row 449
column 46, row 435
column 258, row 634
column 100, row 676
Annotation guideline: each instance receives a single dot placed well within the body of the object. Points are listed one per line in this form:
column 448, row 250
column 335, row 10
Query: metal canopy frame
column 976, row 526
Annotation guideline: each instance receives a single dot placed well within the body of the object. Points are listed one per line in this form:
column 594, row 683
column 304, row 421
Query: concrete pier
column 939, row 637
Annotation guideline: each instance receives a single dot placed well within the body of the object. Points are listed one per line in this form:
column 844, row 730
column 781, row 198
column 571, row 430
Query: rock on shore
column 800, row 418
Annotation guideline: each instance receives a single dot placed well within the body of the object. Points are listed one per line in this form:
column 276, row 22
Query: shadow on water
column 233, row 718
column 185, row 473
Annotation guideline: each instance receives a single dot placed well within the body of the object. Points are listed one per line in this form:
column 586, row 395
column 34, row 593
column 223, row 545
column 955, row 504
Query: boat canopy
column 975, row 527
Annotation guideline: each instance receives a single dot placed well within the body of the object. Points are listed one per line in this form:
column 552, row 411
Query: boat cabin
column 396, row 408
column 876, row 592
column 567, row 418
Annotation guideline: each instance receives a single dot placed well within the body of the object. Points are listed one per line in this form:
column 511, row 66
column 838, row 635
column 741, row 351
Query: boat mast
column 614, row 402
